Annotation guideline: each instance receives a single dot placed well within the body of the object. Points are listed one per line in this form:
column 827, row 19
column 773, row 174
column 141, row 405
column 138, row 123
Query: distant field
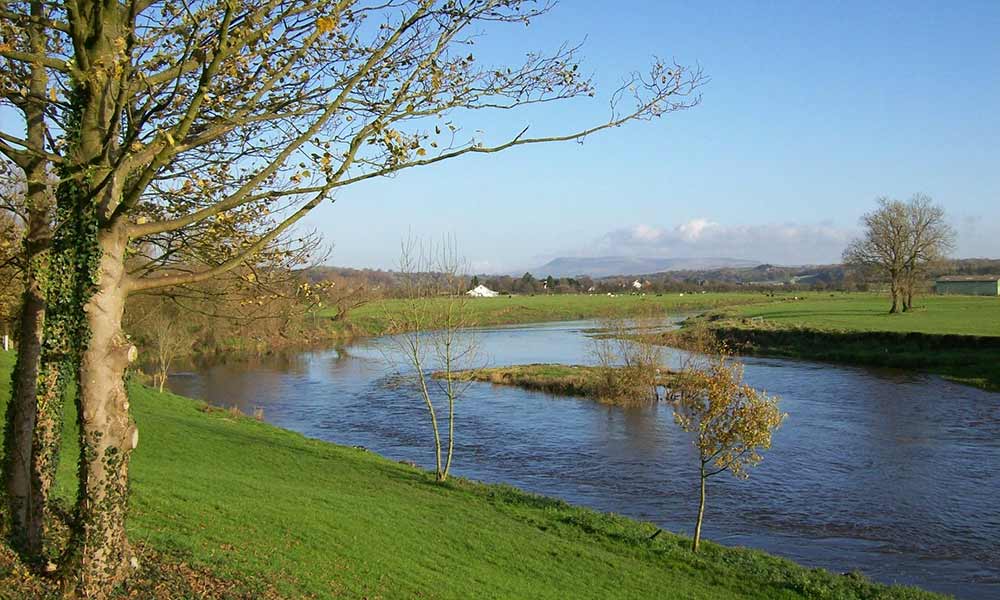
column 962, row 315
column 372, row 319
column 858, row 329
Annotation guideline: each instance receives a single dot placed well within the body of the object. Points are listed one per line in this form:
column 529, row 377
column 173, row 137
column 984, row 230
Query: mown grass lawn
column 962, row 315
column 255, row 503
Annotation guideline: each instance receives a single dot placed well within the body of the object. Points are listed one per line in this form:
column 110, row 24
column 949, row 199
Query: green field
column 373, row 318
column 960, row 315
column 954, row 336
column 269, row 509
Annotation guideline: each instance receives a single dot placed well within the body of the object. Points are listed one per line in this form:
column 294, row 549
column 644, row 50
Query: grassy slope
column 371, row 318
column 961, row 315
column 257, row 503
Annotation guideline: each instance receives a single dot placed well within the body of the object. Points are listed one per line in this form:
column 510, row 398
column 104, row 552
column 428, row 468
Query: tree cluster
column 900, row 243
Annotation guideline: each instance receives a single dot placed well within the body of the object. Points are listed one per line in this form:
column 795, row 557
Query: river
column 894, row 474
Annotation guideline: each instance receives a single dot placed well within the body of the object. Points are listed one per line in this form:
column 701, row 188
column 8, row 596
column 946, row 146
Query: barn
column 969, row 285
column 481, row 291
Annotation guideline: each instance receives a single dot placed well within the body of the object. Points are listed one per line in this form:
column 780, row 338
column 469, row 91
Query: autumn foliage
column 731, row 421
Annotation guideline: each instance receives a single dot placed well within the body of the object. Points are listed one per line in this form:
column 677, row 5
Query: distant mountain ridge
column 609, row 266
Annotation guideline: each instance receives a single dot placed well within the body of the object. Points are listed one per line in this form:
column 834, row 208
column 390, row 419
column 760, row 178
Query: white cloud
column 693, row 229
column 779, row 243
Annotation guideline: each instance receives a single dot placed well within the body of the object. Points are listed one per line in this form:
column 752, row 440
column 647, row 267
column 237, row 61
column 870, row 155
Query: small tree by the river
column 432, row 333
column 732, row 421
column 632, row 370
column 166, row 334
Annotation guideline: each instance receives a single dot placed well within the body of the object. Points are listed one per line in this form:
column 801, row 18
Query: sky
column 813, row 111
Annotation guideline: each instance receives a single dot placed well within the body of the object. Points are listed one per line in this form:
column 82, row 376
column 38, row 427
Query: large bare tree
column 170, row 120
column 899, row 241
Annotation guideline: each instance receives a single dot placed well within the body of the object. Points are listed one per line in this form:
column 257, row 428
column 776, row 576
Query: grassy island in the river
column 567, row 380
column 224, row 506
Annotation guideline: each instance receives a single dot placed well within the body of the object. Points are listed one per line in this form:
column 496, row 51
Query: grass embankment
column 954, row 336
column 270, row 509
column 374, row 318
column 567, row 380
column 936, row 315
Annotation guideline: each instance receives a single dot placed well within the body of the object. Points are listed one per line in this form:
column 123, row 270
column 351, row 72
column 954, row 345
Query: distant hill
column 609, row 266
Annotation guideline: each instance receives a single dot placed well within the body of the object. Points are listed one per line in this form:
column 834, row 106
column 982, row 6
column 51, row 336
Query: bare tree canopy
column 900, row 241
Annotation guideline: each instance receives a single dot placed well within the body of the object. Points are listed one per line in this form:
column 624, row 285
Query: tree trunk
column 895, row 299
column 20, row 422
column 99, row 552
column 451, row 428
column 21, row 417
column 701, row 512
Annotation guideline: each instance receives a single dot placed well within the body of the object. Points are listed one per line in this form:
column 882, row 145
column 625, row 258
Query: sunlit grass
column 962, row 315
column 253, row 502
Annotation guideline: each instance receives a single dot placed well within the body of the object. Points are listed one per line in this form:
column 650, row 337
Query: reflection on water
column 889, row 473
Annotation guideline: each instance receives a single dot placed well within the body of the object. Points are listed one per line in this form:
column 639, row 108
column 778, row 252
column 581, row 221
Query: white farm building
column 481, row 291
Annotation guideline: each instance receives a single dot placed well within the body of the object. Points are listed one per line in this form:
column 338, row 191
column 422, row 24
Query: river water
column 893, row 474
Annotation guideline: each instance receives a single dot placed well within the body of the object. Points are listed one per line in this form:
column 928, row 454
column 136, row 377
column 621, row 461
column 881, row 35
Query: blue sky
column 813, row 111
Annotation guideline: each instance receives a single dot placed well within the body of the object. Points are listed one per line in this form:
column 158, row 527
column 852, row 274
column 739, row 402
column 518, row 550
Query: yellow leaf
column 325, row 24
column 421, row 152
column 52, row 94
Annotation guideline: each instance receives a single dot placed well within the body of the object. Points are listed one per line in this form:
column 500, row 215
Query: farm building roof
column 969, row 278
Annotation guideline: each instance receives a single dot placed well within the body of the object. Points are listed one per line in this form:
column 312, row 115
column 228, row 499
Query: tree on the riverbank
column 732, row 421
column 631, row 370
column 899, row 242
column 26, row 197
column 165, row 331
column 432, row 337
column 173, row 120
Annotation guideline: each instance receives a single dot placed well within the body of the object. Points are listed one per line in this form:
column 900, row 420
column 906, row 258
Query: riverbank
column 254, row 509
column 955, row 337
